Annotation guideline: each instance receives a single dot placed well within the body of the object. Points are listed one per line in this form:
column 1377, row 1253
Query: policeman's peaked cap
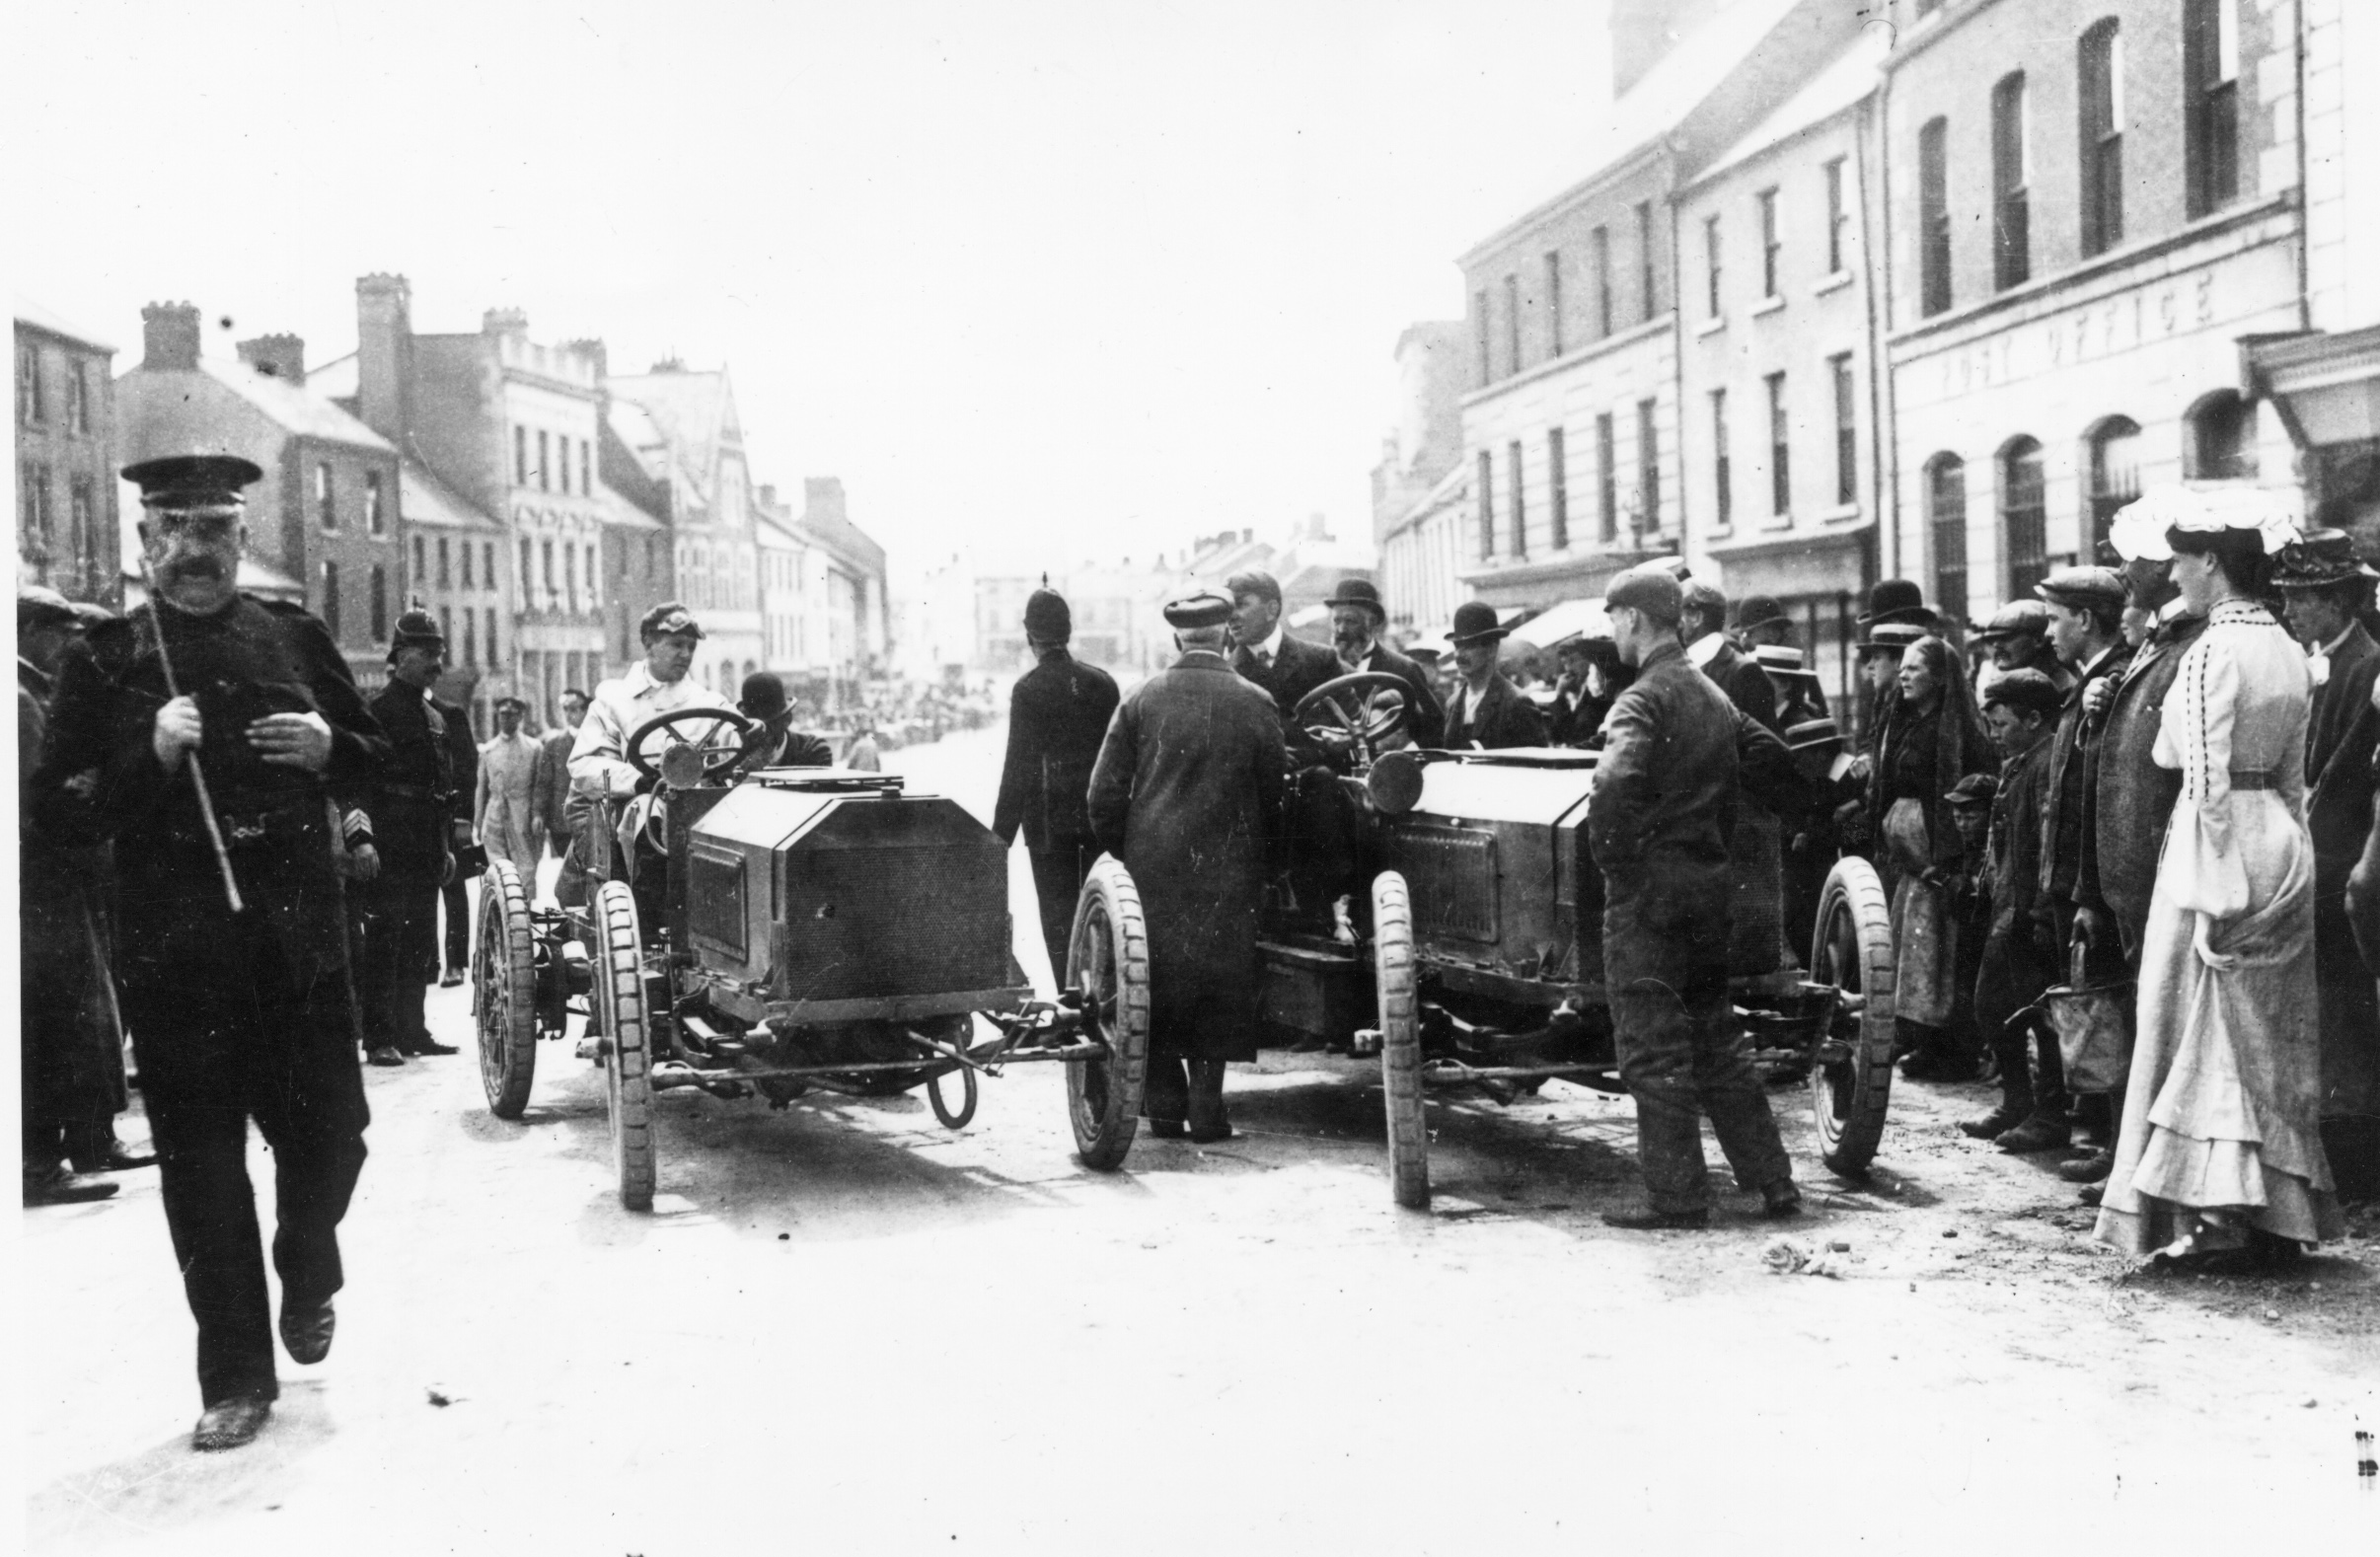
column 416, row 629
column 186, row 483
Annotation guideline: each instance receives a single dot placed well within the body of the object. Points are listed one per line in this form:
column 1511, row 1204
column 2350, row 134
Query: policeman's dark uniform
column 1660, row 819
column 234, row 1015
column 412, row 806
column 1057, row 717
column 463, row 759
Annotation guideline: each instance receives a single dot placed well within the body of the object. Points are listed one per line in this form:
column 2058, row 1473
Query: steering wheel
column 1373, row 726
column 719, row 746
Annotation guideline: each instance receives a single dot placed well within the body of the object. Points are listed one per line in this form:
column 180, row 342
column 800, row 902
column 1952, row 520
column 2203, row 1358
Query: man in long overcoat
column 1058, row 716
column 1184, row 791
column 1660, row 819
column 236, row 1014
column 2325, row 586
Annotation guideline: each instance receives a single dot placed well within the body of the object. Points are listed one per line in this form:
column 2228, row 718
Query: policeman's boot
column 1166, row 1099
column 1206, row 1118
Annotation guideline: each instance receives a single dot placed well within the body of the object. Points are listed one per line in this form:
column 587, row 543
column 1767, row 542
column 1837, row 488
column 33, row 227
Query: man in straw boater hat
column 1185, row 791
column 2325, row 586
column 1487, row 711
column 1660, row 822
column 1058, row 717
column 200, row 733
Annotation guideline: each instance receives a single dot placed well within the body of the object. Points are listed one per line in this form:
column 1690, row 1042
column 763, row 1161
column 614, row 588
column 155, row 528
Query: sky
column 1035, row 278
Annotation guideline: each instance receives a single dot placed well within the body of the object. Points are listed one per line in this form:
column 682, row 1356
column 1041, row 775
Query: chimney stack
column 169, row 335
column 384, row 353
column 592, row 348
column 768, row 494
column 822, row 498
column 277, row 356
column 504, row 322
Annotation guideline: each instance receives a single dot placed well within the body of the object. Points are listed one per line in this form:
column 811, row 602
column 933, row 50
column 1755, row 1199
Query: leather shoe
column 450, row 978
column 385, row 1053
column 1780, row 1200
column 306, row 1331
column 1646, row 1219
column 229, row 1424
column 1994, row 1124
column 60, row 1187
column 433, row 1046
column 113, row 1157
column 2091, row 1194
column 2091, row 1170
column 2034, row 1134
column 1207, row 1122
column 1168, row 1129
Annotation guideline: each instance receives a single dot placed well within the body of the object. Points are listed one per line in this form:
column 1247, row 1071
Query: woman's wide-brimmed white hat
column 2140, row 528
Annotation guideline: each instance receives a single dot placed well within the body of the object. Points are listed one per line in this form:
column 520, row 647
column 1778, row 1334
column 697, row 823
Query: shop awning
column 1568, row 619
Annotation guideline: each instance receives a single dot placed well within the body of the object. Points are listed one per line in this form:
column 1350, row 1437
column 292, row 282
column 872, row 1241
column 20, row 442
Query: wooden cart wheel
column 505, row 991
column 620, row 1013
column 1107, row 960
column 1400, row 1042
column 941, row 1110
column 1852, row 949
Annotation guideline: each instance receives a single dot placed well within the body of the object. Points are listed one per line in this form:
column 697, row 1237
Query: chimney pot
column 504, row 322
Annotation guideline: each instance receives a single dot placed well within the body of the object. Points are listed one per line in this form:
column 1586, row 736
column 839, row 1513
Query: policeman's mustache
column 206, row 568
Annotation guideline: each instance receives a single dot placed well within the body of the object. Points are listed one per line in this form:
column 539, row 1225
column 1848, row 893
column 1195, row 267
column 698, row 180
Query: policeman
column 1057, row 717
column 1661, row 819
column 410, row 806
column 1184, row 790
column 237, row 1013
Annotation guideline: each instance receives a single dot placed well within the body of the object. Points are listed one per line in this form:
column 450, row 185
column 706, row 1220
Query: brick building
column 66, row 500
column 326, row 515
column 2091, row 207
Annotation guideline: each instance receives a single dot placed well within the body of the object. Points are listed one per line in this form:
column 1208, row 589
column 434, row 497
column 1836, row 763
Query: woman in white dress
column 2220, row 1156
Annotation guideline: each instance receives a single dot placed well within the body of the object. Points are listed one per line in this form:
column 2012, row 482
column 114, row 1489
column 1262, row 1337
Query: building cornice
column 1618, row 340
column 1595, row 182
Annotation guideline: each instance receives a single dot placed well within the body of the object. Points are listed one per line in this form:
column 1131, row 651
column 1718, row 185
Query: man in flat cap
column 1184, row 792
column 1058, row 716
column 599, row 770
column 504, row 799
column 2020, row 958
column 2085, row 608
column 1702, row 625
column 237, row 1013
column 412, row 804
column 2017, row 637
column 2325, row 586
column 1487, row 711
column 1661, row 820
column 71, row 1067
column 1357, row 619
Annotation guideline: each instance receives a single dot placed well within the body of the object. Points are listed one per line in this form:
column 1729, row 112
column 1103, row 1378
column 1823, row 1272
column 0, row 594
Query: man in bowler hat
column 1357, row 619
column 244, row 1012
column 1057, row 715
column 1661, row 821
column 412, row 807
column 1487, row 711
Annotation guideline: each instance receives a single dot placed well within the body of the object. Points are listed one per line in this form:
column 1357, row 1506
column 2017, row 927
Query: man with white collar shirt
column 1702, row 629
column 599, row 765
column 1356, row 617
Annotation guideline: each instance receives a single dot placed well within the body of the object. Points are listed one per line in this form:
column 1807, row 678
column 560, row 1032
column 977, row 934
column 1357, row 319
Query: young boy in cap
column 2018, row 961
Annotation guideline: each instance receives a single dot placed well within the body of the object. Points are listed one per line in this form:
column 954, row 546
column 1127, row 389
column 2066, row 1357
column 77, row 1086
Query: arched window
column 1946, row 518
column 2024, row 517
column 2114, row 446
column 2101, row 70
column 2011, row 224
column 2219, row 438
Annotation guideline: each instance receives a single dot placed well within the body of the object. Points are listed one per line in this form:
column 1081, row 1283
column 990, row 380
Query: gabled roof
column 622, row 514
column 1842, row 85
column 337, row 379
column 289, row 407
column 685, row 417
column 773, row 536
column 29, row 312
column 842, row 538
column 427, row 500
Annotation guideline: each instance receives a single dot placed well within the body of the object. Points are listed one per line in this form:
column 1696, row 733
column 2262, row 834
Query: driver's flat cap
column 1650, row 588
column 1205, row 609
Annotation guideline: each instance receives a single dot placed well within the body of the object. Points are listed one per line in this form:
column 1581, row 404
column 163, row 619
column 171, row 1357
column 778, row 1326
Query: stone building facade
column 65, row 423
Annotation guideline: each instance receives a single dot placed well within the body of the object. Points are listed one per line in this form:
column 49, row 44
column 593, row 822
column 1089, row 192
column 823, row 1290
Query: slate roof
column 1851, row 77
column 430, row 501
column 29, row 312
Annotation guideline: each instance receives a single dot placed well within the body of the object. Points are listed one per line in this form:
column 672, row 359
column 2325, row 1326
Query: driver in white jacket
column 599, row 765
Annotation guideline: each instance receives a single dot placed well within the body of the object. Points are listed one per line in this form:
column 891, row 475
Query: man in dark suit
column 2325, row 586
column 1184, row 790
column 1285, row 667
column 1357, row 618
column 412, row 806
column 463, row 752
column 1487, row 711
column 243, row 1014
column 1702, row 627
column 1058, row 715
column 1660, row 822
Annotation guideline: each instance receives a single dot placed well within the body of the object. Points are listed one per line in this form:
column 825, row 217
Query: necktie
column 1264, row 659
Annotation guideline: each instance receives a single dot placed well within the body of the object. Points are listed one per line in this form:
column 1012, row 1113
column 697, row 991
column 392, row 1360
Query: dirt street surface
column 844, row 1328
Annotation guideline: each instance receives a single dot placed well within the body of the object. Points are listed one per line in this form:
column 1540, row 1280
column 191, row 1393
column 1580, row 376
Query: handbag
column 2094, row 1027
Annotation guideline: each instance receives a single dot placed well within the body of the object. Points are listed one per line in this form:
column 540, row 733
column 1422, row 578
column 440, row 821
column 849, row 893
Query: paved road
column 846, row 1329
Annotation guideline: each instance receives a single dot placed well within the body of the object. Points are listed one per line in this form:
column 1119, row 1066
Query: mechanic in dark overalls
column 236, row 1014
column 1660, row 818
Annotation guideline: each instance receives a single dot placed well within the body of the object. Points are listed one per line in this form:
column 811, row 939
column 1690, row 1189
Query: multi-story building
column 1421, row 465
column 681, row 429
column 455, row 571
column 1422, row 559
column 66, row 500
column 1571, row 427
column 326, row 515
column 844, row 588
column 641, row 564
column 2092, row 207
column 1777, row 389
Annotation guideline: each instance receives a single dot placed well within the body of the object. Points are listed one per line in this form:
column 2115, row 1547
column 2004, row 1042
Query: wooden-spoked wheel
column 620, row 1015
column 1400, row 1041
column 503, row 971
column 1852, row 949
column 1107, row 962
